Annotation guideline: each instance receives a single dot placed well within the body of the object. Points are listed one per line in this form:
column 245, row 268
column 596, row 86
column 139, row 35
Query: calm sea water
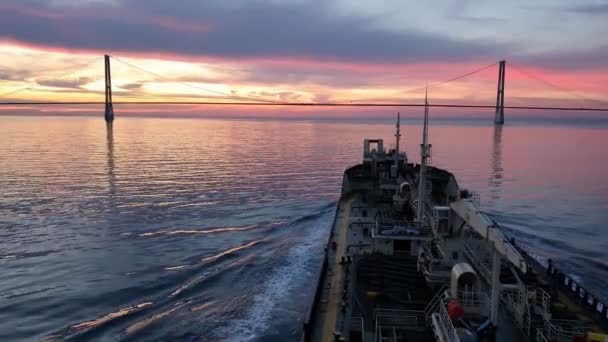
column 198, row 229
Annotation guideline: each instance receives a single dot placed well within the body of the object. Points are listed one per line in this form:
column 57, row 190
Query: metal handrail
column 517, row 305
column 427, row 270
column 431, row 307
column 448, row 327
column 429, row 247
column 399, row 320
column 469, row 298
column 540, row 336
column 386, row 318
column 541, row 298
column 514, row 299
column 395, row 318
column 485, row 271
column 476, row 198
column 557, row 328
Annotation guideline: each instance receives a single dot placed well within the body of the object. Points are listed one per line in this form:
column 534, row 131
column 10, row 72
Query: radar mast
column 425, row 153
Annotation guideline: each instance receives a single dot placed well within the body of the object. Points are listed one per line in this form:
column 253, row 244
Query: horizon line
column 303, row 104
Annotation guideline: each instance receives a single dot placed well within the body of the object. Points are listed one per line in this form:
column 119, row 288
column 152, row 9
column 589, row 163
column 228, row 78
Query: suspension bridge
column 499, row 107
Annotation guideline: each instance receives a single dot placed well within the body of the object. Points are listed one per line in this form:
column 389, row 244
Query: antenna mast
column 397, row 139
column 425, row 153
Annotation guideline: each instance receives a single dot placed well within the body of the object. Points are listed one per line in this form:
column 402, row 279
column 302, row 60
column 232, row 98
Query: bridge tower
column 109, row 114
column 499, row 118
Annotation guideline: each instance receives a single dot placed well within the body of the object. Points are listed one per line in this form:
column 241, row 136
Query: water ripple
column 218, row 223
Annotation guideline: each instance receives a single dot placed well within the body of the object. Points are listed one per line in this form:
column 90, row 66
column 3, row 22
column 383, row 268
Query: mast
column 397, row 138
column 425, row 152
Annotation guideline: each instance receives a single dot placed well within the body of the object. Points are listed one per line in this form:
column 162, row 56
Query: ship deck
column 372, row 288
column 329, row 314
column 395, row 278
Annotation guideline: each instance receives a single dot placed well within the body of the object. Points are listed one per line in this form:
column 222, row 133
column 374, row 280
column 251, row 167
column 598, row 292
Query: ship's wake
column 299, row 264
column 240, row 292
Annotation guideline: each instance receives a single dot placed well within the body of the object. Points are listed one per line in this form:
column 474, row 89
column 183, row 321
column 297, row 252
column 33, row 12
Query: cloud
column 283, row 96
column 134, row 87
column 580, row 59
column 479, row 20
column 14, row 75
column 594, row 9
column 232, row 30
column 68, row 83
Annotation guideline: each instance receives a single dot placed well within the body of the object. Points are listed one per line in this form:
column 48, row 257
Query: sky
column 304, row 51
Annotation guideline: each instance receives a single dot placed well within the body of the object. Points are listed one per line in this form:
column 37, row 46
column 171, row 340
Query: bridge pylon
column 109, row 114
column 499, row 117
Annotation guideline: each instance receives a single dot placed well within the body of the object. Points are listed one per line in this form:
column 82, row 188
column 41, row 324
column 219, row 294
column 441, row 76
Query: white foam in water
column 542, row 260
column 278, row 285
column 576, row 278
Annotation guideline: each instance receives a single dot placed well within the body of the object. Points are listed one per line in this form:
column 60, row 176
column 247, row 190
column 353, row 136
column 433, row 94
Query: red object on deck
column 455, row 310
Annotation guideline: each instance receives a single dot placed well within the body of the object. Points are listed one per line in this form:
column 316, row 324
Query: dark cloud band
column 251, row 29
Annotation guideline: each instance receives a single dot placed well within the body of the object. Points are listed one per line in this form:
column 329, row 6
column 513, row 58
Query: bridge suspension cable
column 437, row 83
column 529, row 74
column 457, row 77
column 246, row 98
column 51, row 78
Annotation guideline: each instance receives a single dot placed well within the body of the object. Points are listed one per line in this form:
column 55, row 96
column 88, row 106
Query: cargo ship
column 411, row 257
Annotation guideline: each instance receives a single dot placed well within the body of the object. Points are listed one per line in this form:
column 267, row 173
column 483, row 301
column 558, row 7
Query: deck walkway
column 335, row 271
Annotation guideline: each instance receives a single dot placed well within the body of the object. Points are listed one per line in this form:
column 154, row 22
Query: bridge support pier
column 109, row 114
column 499, row 118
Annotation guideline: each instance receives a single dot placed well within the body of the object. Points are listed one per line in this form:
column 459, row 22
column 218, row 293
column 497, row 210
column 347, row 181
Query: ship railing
column 471, row 299
column 436, row 273
column 526, row 321
column 433, row 251
column 540, row 336
column 514, row 300
column 570, row 324
column 444, row 324
column 398, row 318
column 564, row 329
column 476, row 198
column 395, row 319
column 434, row 303
column 483, row 266
column 357, row 324
column 517, row 305
column 541, row 298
